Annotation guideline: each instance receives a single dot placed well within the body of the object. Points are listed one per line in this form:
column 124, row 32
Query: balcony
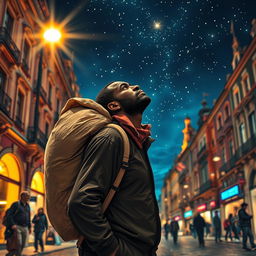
column 246, row 147
column 25, row 67
column 5, row 102
column 202, row 153
column 227, row 166
column 9, row 44
column 19, row 123
column 43, row 94
column 41, row 138
column 205, row 186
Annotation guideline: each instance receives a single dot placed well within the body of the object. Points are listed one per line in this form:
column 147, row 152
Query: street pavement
column 187, row 246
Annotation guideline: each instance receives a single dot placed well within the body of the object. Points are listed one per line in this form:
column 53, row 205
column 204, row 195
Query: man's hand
column 114, row 253
column 14, row 227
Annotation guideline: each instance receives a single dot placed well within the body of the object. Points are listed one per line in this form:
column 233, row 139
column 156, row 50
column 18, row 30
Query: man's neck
column 135, row 119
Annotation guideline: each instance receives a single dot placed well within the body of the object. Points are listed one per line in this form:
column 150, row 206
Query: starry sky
column 177, row 51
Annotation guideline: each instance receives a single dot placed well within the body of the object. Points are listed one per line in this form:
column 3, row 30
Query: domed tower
column 203, row 113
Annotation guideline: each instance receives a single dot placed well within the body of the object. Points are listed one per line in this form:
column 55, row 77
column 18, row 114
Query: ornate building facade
column 34, row 86
column 219, row 162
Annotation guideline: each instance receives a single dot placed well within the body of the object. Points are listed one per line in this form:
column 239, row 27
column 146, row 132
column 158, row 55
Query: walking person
column 131, row 225
column 207, row 229
column 245, row 224
column 227, row 228
column 199, row 224
column 19, row 221
column 192, row 230
column 174, row 228
column 40, row 225
column 233, row 228
column 217, row 227
column 166, row 229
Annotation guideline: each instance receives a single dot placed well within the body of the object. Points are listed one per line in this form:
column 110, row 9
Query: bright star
column 157, row 25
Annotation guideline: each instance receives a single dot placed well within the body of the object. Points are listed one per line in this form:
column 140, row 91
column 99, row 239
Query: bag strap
column 123, row 168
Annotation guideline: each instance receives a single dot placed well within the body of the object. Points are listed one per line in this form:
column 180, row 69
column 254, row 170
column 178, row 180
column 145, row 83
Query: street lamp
column 51, row 35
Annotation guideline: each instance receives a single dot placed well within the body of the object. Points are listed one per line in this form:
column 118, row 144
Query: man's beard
column 135, row 107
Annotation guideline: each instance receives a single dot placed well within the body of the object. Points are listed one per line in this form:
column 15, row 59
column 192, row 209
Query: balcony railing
column 226, row 167
column 41, row 138
column 5, row 102
column 246, row 147
column 205, row 186
column 6, row 39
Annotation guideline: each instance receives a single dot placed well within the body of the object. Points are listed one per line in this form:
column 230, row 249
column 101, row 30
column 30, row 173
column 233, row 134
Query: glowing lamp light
column 216, row 159
column 185, row 186
column 177, row 218
column 3, row 202
column 201, row 208
column 213, row 204
column 52, row 35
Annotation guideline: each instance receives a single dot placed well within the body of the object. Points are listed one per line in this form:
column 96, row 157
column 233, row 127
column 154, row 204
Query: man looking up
column 131, row 225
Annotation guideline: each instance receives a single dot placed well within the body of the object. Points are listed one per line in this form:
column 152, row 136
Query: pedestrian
column 19, row 222
column 40, row 225
column 166, row 229
column 227, row 228
column 245, row 224
column 131, row 224
column 207, row 229
column 199, row 224
column 174, row 228
column 192, row 230
column 217, row 227
column 233, row 228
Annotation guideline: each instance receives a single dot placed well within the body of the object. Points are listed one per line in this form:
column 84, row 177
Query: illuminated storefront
column 232, row 198
column 10, row 183
column 206, row 214
column 253, row 197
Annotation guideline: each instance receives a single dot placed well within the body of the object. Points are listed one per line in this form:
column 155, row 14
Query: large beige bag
column 79, row 120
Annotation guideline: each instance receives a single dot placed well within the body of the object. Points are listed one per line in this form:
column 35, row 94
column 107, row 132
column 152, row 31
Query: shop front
column 188, row 219
column 252, row 183
column 10, row 183
column 205, row 213
column 231, row 199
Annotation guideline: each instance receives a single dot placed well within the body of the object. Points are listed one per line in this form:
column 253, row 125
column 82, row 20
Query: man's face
column 132, row 99
column 25, row 197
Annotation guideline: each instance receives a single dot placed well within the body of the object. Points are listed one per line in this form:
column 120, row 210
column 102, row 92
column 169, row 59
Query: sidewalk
column 29, row 251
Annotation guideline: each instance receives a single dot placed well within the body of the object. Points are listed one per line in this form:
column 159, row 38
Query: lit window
column 242, row 133
column 8, row 22
column 252, row 123
column 246, row 84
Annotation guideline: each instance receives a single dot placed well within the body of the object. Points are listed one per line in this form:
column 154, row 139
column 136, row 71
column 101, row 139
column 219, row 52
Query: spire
column 235, row 46
column 188, row 132
column 253, row 30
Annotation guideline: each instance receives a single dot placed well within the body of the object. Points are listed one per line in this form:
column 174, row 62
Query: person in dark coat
column 174, row 228
column 217, row 227
column 199, row 224
column 131, row 225
column 166, row 229
column 245, row 224
column 40, row 225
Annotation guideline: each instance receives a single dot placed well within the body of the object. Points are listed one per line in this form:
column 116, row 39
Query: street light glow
column 52, row 35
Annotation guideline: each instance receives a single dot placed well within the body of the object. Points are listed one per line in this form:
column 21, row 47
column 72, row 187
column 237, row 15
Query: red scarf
column 139, row 135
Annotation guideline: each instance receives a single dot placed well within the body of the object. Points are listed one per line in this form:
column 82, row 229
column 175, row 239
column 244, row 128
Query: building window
column 50, row 95
column 26, row 52
column 246, row 84
column 252, row 123
column 223, row 155
column 219, row 122
column 204, row 174
column 242, row 133
column 20, row 109
column 231, row 148
column 254, row 70
column 202, row 143
column 2, row 80
column 226, row 112
column 236, row 96
column 8, row 22
column 46, row 129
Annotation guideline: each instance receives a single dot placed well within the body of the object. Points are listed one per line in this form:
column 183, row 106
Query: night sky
column 177, row 51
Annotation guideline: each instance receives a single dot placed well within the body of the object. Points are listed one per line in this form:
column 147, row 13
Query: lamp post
column 51, row 35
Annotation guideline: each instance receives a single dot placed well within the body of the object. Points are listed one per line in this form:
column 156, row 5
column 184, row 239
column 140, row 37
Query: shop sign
column 177, row 218
column 201, row 208
column 213, row 204
column 231, row 192
column 188, row 214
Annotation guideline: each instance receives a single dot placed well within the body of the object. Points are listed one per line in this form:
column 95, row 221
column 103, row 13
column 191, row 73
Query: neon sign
column 231, row 192
column 201, row 208
column 188, row 214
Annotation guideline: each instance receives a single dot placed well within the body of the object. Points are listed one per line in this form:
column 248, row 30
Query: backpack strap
column 123, row 168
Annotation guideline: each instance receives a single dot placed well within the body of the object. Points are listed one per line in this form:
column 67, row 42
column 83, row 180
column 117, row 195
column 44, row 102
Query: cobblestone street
column 187, row 246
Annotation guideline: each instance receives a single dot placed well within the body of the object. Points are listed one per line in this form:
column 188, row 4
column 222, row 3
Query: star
column 157, row 25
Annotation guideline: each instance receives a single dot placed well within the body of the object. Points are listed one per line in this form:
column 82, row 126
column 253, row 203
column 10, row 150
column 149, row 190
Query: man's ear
column 114, row 106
